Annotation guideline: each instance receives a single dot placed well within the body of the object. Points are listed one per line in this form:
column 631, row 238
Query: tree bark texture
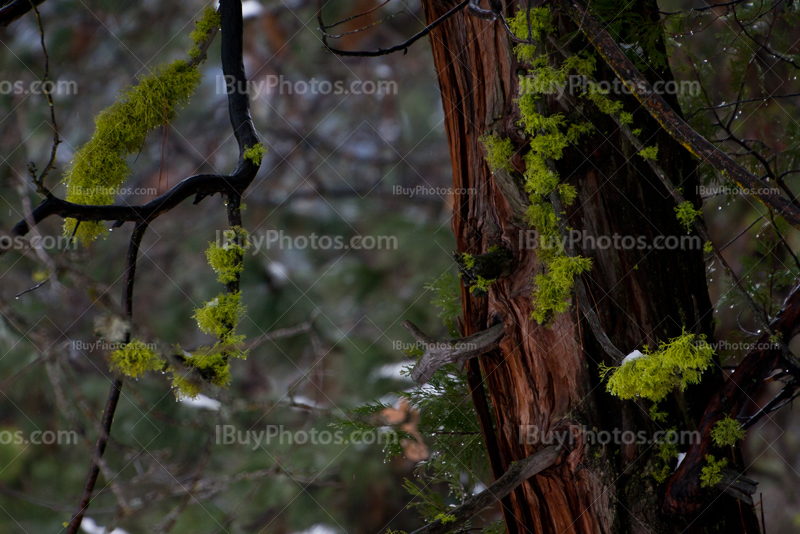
column 546, row 378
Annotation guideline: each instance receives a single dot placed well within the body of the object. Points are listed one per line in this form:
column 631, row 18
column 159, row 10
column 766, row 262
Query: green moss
column 211, row 19
column 226, row 260
column 553, row 288
column 220, row 316
column 657, row 416
column 687, row 214
column 469, row 260
column 255, row 153
column 498, row 152
column 650, row 153
column 481, row 285
column 677, row 363
column 727, row 432
column 135, row 359
column 568, row 193
column 98, row 168
column 183, row 386
column 667, row 453
column 712, row 471
column 445, row 518
column 708, row 247
column 541, row 23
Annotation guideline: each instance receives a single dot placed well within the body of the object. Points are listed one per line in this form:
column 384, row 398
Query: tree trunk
column 545, row 379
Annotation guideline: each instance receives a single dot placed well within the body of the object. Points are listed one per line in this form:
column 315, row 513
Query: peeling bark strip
column 670, row 121
column 737, row 486
column 518, row 473
column 459, row 350
column 684, row 494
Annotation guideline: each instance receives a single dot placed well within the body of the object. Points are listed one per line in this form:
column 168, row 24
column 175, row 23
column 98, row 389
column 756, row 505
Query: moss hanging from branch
column 98, row 168
column 135, row 359
column 653, row 375
column 549, row 137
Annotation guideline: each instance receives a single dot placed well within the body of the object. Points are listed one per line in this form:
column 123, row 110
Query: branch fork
column 441, row 352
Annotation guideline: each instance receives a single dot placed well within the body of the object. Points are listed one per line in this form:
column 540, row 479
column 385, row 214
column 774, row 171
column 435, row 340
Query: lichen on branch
column 99, row 167
column 653, row 375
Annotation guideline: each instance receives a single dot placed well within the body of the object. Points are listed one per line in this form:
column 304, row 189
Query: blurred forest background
column 322, row 322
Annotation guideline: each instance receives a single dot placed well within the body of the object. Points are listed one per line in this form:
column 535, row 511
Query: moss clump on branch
column 135, row 359
column 220, row 316
column 712, row 471
column 98, row 168
column 650, row 153
column 226, row 260
column 255, row 153
column 210, row 20
column 667, row 452
column 653, row 375
column 183, row 385
column 481, row 286
column 727, row 432
column 686, row 214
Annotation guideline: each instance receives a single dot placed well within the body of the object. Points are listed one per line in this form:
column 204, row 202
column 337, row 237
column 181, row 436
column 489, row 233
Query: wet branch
column 669, row 120
column 518, row 473
column 459, row 350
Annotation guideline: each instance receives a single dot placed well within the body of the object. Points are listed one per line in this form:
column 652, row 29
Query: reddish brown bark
column 547, row 377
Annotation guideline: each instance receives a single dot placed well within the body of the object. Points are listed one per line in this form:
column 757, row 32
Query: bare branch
column 518, row 473
column 397, row 48
column 670, row 121
column 459, row 350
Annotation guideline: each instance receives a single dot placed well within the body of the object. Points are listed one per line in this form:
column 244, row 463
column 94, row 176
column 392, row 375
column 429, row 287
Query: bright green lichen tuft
column 653, row 375
column 727, row 432
column 445, row 518
column 481, row 285
column 687, row 214
column 554, row 287
column 469, row 260
column 99, row 168
column 712, row 472
column 656, row 415
column 135, row 359
column 255, row 153
column 708, row 247
column 650, row 153
column 183, row 386
column 667, row 452
column 540, row 23
column 211, row 19
column 498, row 152
column 220, row 316
column 226, row 260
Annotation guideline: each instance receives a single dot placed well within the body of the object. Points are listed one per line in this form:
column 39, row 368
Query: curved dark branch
column 15, row 10
column 402, row 47
column 198, row 186
column 684, row 493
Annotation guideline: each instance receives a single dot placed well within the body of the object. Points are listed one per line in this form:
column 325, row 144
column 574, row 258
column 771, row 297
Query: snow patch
column 90, row 526
column 202, row 402
column 632, row 356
